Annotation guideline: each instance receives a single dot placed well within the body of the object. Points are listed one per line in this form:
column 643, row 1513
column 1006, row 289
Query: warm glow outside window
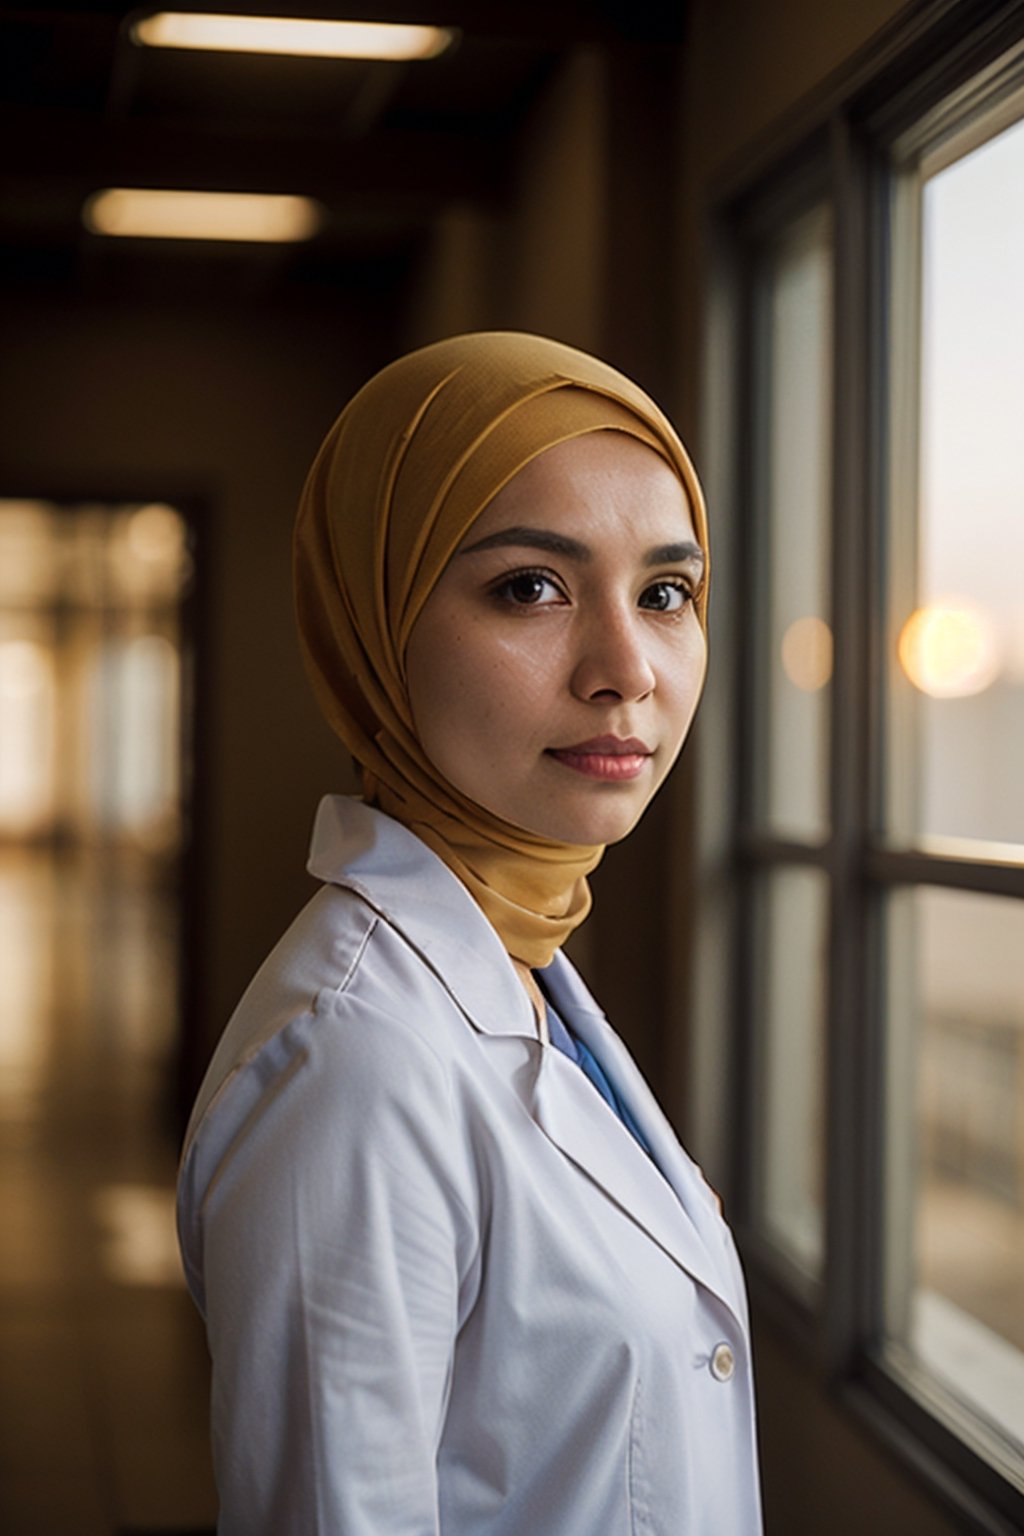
column 957, row 681
column 949, row 649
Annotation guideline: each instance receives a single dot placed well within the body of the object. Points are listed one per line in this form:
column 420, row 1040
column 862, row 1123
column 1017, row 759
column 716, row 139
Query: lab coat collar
column 370, row 853
column 366, row 851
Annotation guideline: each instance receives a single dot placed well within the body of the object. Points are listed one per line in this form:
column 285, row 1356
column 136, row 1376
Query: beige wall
column 536, row 262
column 747, row 68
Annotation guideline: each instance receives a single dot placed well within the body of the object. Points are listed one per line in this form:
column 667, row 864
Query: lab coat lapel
column 676, row 1207
column 398, row 875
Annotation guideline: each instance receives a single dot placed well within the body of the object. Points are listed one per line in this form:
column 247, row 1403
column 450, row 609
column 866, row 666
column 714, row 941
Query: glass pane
column 790, row 1149
column 28, row 723
column 957, row 659
column 794, row 657
column 955, row 1270
column 91, row 671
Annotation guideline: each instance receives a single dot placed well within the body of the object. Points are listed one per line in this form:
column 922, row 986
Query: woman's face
column 555, row 667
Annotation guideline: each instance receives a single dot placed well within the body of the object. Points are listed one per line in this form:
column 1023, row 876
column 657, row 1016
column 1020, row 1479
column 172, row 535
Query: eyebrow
column 558, row 544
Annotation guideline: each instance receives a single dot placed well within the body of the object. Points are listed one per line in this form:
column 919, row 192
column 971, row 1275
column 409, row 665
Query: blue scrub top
column 570, row 1045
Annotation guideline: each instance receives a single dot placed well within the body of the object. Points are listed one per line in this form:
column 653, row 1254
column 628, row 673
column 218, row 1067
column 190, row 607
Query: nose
column 613, row 660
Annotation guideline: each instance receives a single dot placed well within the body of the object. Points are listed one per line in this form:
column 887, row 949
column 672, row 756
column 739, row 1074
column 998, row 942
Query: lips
column 611, row 746
column 614, row 759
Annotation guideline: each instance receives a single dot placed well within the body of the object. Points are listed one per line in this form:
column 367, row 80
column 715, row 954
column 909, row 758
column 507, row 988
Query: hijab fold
column 402, row 475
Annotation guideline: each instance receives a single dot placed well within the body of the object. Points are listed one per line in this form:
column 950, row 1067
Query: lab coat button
column 723, row 1363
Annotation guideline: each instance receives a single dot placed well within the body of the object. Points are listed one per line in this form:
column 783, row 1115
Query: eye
column 666, row 596
column 528, row 589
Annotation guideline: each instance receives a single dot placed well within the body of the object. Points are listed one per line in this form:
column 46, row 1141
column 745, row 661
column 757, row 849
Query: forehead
column 601, row 482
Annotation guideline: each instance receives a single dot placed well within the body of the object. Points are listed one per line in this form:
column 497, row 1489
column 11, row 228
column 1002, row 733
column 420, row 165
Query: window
column 953, row 770
column 866, row 857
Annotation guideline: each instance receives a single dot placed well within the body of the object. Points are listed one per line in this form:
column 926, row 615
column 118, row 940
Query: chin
column 602, row 825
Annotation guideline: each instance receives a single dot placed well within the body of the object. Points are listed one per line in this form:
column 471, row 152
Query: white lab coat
column 445, row 1289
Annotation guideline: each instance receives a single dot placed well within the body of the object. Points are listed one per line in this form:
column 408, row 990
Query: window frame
column 924, row 78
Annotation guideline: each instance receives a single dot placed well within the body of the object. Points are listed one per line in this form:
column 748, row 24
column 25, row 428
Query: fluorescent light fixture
column 280, row 34
column 159, row 215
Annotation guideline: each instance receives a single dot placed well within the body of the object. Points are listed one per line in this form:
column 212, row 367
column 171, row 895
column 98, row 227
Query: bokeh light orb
column 807, row 653
column 948, row 650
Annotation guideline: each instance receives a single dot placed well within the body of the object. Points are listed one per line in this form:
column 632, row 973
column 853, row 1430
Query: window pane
column 957, row 674
column 956, row 1145
column 790, row 994
column 793, row 661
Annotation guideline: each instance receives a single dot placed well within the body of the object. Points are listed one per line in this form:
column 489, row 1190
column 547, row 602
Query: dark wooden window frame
column 838, row 149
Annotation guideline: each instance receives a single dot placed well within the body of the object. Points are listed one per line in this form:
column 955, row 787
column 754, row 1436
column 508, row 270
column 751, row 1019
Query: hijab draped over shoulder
column 408, row 466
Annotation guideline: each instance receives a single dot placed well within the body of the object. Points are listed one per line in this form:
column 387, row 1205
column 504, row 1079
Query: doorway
column 104, row 1385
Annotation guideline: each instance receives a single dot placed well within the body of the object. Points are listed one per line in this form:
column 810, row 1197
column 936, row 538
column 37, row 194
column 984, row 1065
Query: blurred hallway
column 103, row 1384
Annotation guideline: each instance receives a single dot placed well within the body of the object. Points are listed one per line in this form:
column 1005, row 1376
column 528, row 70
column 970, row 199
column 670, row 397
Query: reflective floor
column 103, row 1371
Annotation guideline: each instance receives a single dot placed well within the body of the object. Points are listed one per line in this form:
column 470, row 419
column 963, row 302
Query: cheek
column 687, row 679
column 496, row 674
column 456, row 687
column 481, row 681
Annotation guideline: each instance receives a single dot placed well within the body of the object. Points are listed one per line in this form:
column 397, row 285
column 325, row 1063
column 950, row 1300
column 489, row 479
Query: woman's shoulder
column 390, row 955
column 340, row 963
column 345, row 1041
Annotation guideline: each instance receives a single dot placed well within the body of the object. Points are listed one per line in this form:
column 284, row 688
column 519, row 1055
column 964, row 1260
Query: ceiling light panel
column 147, row 213
column 281, row 35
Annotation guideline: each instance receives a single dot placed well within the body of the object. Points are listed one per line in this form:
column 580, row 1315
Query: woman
column 457, row 1273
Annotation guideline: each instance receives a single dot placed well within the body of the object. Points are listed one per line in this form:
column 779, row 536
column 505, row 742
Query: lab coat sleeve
column 338, row 1252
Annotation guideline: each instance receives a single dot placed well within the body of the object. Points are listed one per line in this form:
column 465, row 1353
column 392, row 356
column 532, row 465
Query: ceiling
column 383, row 147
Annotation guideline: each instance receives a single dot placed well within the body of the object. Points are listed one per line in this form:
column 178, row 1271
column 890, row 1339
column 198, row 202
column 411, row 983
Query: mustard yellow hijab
column 407, row 467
